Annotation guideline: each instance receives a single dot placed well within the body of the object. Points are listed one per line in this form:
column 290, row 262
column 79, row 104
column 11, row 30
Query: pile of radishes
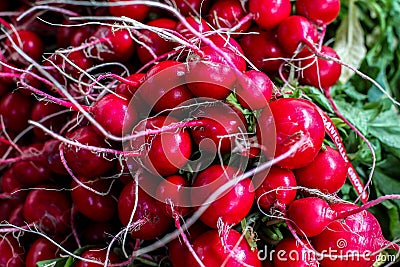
column 146, row 133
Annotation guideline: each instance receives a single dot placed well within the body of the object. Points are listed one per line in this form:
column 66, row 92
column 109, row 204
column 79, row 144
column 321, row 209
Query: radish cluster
column 125, row 125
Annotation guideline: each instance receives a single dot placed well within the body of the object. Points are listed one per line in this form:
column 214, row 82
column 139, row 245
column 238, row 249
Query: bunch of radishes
column 156, row 133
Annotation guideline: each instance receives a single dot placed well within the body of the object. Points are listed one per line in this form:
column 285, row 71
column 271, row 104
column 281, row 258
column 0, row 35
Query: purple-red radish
column 277, row 189
column 42, row 249
column 41, row 110
column 290, row 253
column 194, row 7
column 171, row 195
column 29, row 42
column 130, row 10
column 322, row 14
column 197, row 23
column 327, row 172
column 128, row 90
column 99, row 255
column 227, row 14
column 15, row 109
column 269, row 13
column 11, row 252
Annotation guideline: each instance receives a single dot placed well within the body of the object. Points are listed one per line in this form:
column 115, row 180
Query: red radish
column 220, row 123
column 326, row 173
column 294, row 31
column 49, row 208
column 319, row 72
column 149, row 221
column 358, row 236
column 154, row 42
column 42, row 249
column 10, row 184
column 15, row 109
column 164, row 153
column 164, row 86
column 17, row 216
column 290, row 253
column 97, row 254
column 129, row 90
column 322, row 14
column 53, row 157
column 96, row 233
column 170, row 192
column 197, row 23
column 294, row 119
column 30, row 173
column 81, row 34
column 269, row 13
column 112, row 111
column 211, row 76
column 227, row 14
column 254, row 90
column 313, row 207
column 41, row 110
column 117, row 44
column 130, row 10
column 29, row 42
column 193, row 7
column 11, row 252
column 7, row 207
column 85, row 162
column 81, row 61
column 99, row 208
column 225, row 249
column 7, row 81
column 277, row 189
column 232, row 206
column 267, row 59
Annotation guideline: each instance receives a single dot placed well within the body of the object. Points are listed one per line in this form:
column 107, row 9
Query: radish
column 326, row 173
column 15, row 109
column 97, row 255
column 96, row 207
column 227, row 14
column 29, row 42
column 232, row 206
column 163, row 153
column 269, row 13
column 293, row 119
column 41, row 110
column 294, row 31
column 11, row 252
column 79, row 61
column 223, row 249
column 128, row 90
column 149, row 221
column 172, row 194
column 277, row 189
column 290, row 253
column 197, row 23
column 193, row 7
column 130, row 10
column 322, row 14
column 358, row 236
column 42, row 249
column 315, row 208
column 254, row 90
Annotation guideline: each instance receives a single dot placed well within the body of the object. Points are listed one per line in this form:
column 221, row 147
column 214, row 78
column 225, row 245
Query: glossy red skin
column 129, row 90
column 323, row 13
column 251, row 44
column 158, row 45
column 42, row 249
column 81, row 61
column 232, row 206
column 99, row 208
column 359, row 232
column 29, row 42
column 254, row 90
column 178, row 253
column 41, row 110
column 166, row 152
column 16, row 216
column 199, row 24
column 170, row 191
column 11, row 253
column 48, row 209
column 6, row 208
column 31, row 173
column 294, row 118
column 82, row 161
column 290, row 253
column 81, row 35
column 186, row 7
column 119, row 42
column 97, row 254
column 213, row 252
column 53, row 157
column 10, row 184
column 157, row 223
column 136, row 12
column 319, row 215
column 111, row 111
column 275, row 179
column 211, row 76
column 227, row 14
column 7, row 81
column 296, row 30
column 269, row 13
column 217, row 121
column 16, row 109
column 323, row 73
column 164, row 86
column 326, row 173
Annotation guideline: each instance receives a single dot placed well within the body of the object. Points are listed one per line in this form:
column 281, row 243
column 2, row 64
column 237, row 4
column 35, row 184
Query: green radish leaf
column 349, row 42
column 59, row 262
column 317, row 96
